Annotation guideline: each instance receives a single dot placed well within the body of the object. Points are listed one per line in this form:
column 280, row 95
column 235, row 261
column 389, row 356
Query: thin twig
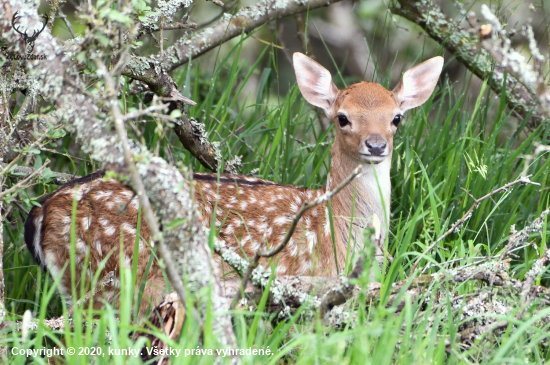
column 24, row 181
column 480, row 259
column 106, row 283
column 522, row 180
column 18, row 157
column 147, row 111
column 60, row 178
column 308, row 205
column 518, row 238
column 180, row 25
column 305, row 207
column 67, row 23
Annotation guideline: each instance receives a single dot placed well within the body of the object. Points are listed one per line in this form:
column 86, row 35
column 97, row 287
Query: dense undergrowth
column 454, row 143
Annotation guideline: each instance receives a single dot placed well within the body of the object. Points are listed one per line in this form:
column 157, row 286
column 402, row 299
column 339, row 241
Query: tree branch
column 168, row 191
column 465, row 46
column 245, row 20
column 522, row 180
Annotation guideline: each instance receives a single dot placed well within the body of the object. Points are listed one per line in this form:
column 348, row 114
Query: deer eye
column 397, row 119
column 343, row 121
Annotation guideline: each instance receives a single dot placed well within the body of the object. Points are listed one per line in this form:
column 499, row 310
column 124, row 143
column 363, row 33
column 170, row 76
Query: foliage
column 451, row 144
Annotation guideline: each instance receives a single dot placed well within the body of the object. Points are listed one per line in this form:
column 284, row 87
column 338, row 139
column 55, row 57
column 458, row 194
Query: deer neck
column 355, row 204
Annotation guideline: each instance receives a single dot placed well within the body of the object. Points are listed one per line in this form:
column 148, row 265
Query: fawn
column 255, row 212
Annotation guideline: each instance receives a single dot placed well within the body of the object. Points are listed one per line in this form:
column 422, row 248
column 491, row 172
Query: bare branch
column 245, row 20
column 180, row 25
column 192, row 136
column 522, row 180
column 511, row 60
column 59, row 178
column 21, row 183
column 149, row 72
column 147, row 111
column 519, row 238
column 465, row 46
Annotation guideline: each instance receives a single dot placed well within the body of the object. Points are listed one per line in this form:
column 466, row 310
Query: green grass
column 453, row 142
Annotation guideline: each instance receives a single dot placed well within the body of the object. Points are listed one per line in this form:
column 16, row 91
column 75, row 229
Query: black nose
column 376, row 144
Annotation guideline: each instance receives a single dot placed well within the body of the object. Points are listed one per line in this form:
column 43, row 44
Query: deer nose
column 376, row 144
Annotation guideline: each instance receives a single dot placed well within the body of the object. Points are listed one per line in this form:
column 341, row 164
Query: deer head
column 366, row 115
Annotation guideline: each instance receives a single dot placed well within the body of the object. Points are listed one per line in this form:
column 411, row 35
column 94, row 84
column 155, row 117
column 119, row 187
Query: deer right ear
column 315, row 82
column 418, row 84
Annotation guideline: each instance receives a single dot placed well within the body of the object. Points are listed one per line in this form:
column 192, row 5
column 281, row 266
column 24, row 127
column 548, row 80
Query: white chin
column 373, row 159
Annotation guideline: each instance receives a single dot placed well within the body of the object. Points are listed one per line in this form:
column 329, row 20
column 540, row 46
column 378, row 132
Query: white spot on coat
column 102, row 194
column 97, row 245
column 86, row 221
column 110, row 230
column 128, row 228
column 327, row 222
column 262, row 227
column 281, row 220
column 81, row 246
column 127, row 193
column 311, row 239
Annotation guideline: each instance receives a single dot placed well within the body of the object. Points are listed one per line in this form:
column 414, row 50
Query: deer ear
column 315, row 82
column 418, row 84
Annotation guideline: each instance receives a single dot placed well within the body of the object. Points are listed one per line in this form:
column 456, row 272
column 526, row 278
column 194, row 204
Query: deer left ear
column 418, row 84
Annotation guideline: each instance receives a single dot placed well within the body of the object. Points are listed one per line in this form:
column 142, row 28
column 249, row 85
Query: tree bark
column 466, row 47
column 166, row 188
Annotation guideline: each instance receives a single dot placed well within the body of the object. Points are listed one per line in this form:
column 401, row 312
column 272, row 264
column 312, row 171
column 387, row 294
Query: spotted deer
column 254, row 212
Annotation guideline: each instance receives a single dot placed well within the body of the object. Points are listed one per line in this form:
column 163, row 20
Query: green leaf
column 59, row 133
column 36, row 151
column 103, row 12
column 81, row 57
column 175, row 113
column 119, row 17
column 103, row 40
column 48, row 175
column 38, row 162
